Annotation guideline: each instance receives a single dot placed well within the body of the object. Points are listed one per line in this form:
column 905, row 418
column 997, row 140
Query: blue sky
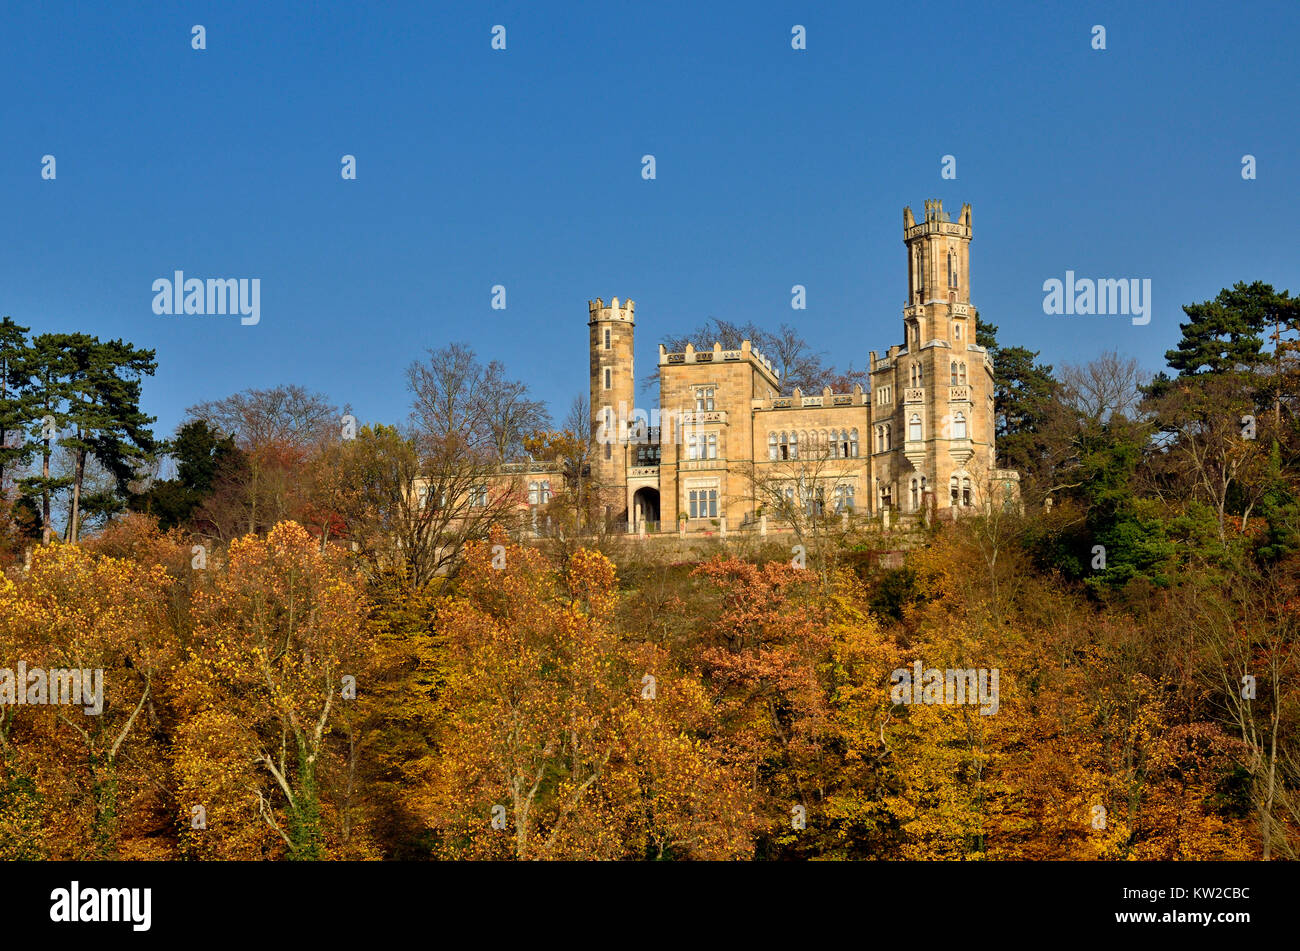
column 523, row 168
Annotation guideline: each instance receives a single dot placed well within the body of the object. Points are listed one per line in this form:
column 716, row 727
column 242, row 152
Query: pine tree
column 103, row 407
column 15, row 410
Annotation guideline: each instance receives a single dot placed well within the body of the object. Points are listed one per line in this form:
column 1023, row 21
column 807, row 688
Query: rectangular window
column 713, row 503
column 608, row 378
column 695, row 510
column 606, row 339
column 478, row 496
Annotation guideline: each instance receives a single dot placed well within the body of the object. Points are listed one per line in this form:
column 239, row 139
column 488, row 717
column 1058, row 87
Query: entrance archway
column 645, row 509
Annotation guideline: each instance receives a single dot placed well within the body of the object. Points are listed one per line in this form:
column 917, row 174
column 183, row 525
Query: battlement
column 936, row 221
column 746, row 353
column 826, row 399
column 599, row 310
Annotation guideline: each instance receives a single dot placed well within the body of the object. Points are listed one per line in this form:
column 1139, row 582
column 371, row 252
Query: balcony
column 914, row 394
column 697, row 417
column 959, row 394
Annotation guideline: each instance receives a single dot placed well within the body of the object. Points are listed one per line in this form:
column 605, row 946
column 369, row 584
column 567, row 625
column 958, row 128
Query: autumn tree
column 264, row 683
column 562, row 739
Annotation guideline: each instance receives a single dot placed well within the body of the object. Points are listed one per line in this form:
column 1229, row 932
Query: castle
column 729, row 450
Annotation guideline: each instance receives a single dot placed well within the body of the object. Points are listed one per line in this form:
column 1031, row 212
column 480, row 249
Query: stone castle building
column 725, row 448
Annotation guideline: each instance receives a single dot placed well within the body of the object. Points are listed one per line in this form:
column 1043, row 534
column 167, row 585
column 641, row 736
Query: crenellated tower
column 613, row 393
column 935, row 392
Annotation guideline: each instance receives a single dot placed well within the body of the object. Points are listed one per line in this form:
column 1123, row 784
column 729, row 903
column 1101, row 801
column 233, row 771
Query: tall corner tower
column 613, row 392
column 946, row 379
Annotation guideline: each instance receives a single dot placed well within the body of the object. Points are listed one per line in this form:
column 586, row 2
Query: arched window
column 915, row 501
column 962, row 369
column 952, row 491
column 914, row 428
column 952, row 269
column 772, row 451
column 692, row 449
column 794, row 444
column 920, row 375
column 954, row 373
column 959, row 426
column 853, row 444
column 785, row 446
column 889, row 436
column 965, row 492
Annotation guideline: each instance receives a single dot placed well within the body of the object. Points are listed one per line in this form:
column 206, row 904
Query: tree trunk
column 78, row 475
column 45, row 492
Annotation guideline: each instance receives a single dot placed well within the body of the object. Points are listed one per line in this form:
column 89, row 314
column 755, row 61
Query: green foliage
column 1225, row 333
column 202, row 454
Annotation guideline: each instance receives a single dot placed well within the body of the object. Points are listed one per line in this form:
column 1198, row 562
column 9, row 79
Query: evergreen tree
column 15, row 408
column 103, row 408
column 1225, row 334
column 201, row 453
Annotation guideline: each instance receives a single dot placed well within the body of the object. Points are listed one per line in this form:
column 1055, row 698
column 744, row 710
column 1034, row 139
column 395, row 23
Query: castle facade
column 726, row 449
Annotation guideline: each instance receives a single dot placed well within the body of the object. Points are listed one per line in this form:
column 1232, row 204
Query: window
column 785, row 446
column 961, row 368
column 914, row 428
column 956, row 329
column 772, row 450
column 794, row 445
column 889, row 436
column 692, row 447
column 916, row 504
column 704, row 400
column 959, row 426
column 710, row 446
column 815, row 501
column 886, row 496
column 952, row 490
column 965, row 492
column 608, row 378
column 954, row 373
column 844, row 498
column 607, row 339
column 703, row 503
column 952, row 269
column 853, row 444
column 478, row 496
column 539, row 493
